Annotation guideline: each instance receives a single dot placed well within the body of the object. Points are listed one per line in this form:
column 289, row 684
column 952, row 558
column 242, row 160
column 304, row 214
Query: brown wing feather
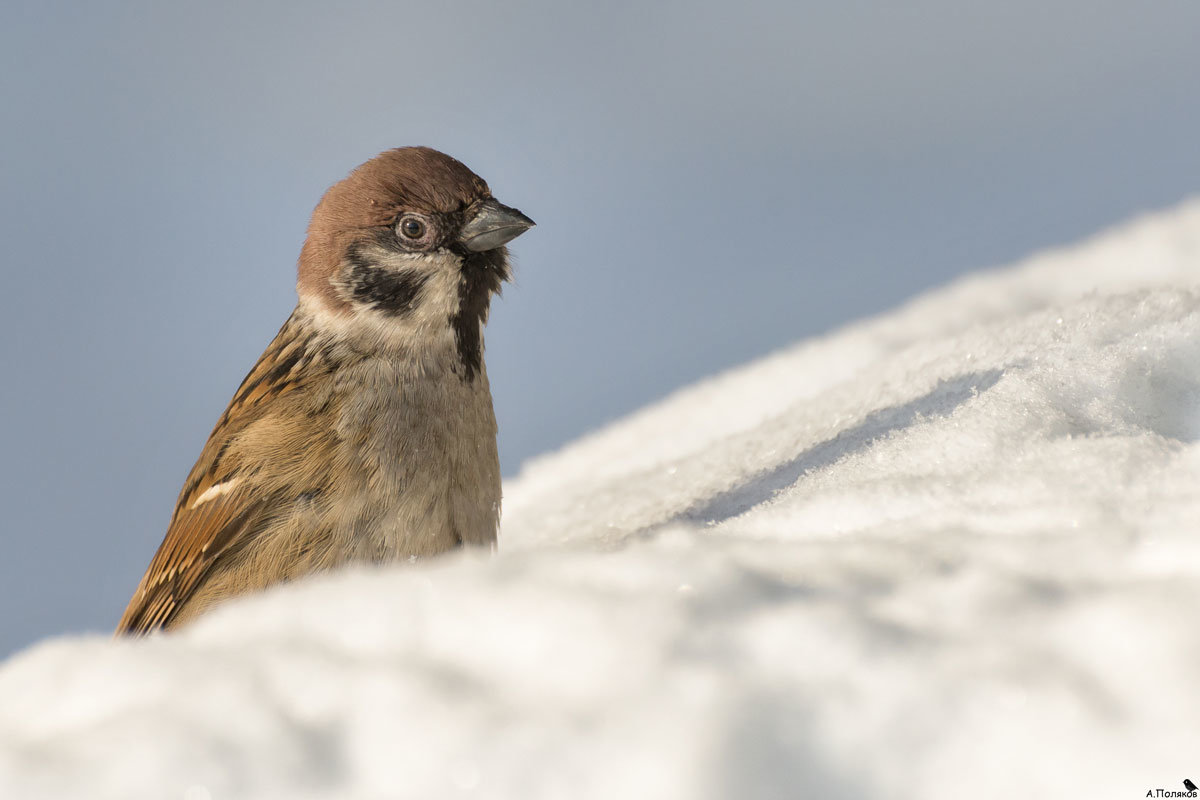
column 202, row 529
column 195, row 541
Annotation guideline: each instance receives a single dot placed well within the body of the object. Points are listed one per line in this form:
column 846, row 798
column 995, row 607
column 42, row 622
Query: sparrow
column 365, row 432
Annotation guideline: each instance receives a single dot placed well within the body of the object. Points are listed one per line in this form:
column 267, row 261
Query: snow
column 950, row 551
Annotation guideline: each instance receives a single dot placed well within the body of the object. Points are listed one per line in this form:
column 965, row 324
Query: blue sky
column 710, row 181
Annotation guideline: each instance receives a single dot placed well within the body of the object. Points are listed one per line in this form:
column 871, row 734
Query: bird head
column 406, row 252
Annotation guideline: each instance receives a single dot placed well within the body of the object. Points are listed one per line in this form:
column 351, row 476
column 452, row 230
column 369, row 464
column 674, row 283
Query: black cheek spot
column 390, row 292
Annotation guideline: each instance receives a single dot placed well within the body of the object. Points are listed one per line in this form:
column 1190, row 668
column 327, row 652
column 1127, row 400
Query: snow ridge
column 949, row 551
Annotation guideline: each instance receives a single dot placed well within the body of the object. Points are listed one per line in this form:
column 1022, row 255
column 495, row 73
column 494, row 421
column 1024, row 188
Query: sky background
column 711, row 182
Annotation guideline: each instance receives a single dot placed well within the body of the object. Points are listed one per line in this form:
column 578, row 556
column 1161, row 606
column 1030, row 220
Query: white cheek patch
column 424, row 323
column 215, row 491
column 422, row 332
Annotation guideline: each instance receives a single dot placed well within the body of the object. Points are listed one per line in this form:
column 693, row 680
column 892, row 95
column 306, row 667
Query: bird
column 365, row 432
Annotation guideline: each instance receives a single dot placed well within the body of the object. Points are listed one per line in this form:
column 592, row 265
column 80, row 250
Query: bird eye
column 412, row 227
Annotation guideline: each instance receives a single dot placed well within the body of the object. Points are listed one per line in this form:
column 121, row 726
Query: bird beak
column 490, row 224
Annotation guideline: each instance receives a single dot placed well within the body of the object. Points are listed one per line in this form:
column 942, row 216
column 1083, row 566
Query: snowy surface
column 948, row 552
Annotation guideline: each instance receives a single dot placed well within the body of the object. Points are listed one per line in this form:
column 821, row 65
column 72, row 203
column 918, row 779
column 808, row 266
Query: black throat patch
column 482, row 274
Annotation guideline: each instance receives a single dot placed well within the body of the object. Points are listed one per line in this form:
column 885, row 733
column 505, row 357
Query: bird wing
column 231, row 493
column 196, row 539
